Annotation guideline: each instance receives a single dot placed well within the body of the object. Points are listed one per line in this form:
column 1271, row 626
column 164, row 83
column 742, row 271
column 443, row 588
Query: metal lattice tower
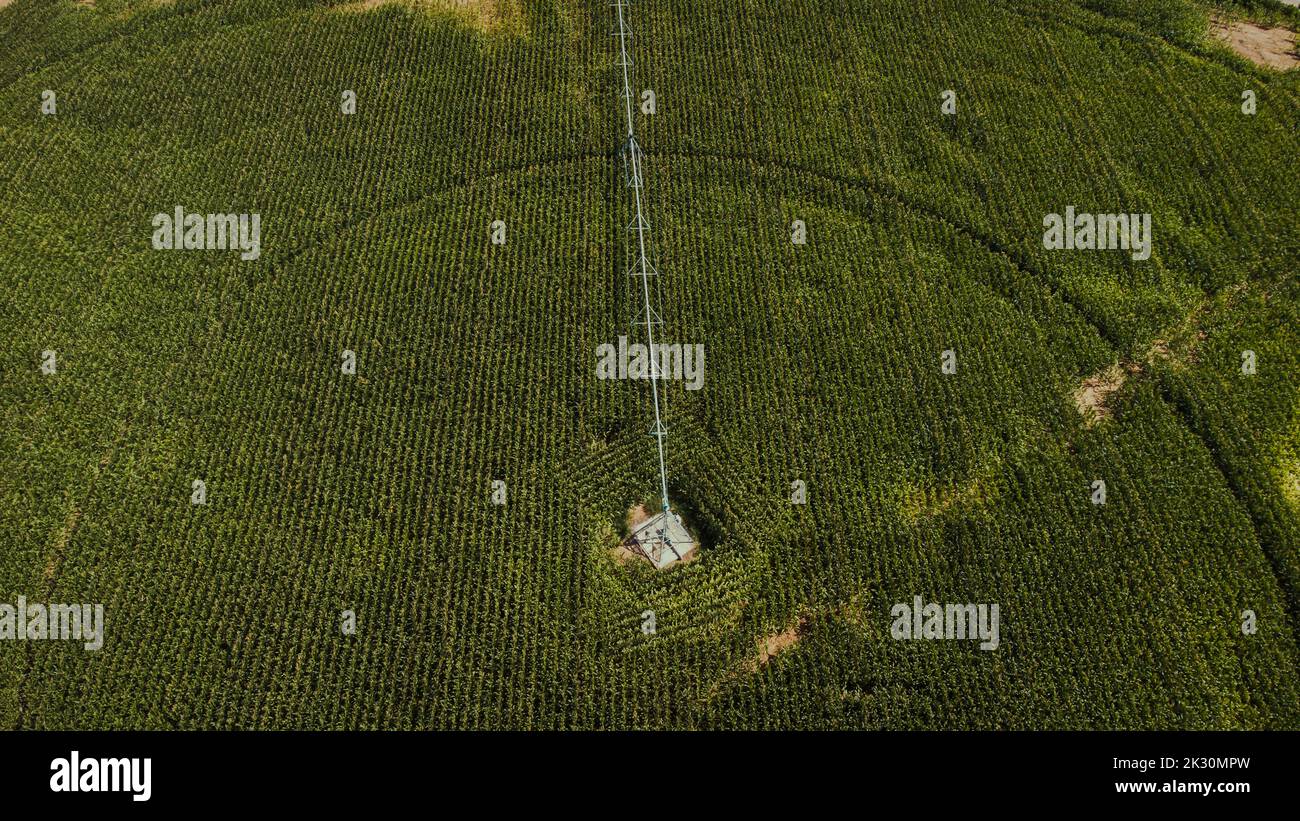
column 641, row 268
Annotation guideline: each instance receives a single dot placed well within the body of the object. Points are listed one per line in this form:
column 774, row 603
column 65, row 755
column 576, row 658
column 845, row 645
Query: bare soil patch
column 1270, row 47
column 616, row 545
column 636, row 514
column 1178, row 347
column 626, row 552
column 1092, row 398
column 625, row 555
column 774, row 645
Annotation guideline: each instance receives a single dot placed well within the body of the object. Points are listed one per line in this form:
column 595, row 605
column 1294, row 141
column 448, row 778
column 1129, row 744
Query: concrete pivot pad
column 663, row 539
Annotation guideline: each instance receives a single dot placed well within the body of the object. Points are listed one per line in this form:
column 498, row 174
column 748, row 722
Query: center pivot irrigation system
column 662, row 538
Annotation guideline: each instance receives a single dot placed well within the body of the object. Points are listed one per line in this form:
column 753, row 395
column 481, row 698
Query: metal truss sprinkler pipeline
column 650, row 317
column 661, row 537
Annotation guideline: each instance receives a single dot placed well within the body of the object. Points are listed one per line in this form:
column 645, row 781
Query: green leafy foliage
column 371, row 492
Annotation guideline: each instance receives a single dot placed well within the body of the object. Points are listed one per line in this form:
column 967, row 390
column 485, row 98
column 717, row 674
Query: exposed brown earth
column 1271, row 47
column 1092, row 398
column 636, row 514
column 774, row 645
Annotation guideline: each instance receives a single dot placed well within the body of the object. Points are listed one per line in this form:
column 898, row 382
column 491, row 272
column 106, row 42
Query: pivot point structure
column 663, row 539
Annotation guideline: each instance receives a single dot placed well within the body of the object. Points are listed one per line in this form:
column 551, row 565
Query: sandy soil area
column 1275, row 47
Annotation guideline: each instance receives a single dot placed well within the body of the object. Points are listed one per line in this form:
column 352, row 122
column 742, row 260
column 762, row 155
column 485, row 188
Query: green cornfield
column 1175, row 604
